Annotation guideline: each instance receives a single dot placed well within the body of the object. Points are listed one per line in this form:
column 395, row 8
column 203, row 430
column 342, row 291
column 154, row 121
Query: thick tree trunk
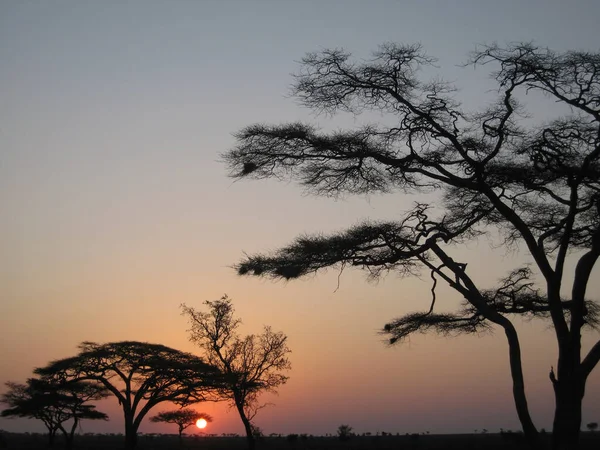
column 130, row 433
column 571, row 376
column 568, row 393
column 130, row 439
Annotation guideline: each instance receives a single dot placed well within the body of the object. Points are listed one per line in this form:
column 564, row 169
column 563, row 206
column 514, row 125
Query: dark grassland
column 488, row 441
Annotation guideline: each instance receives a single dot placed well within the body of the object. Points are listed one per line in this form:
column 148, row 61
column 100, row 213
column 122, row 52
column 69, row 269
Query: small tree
column 54, row 404
column 344, row 432
column 592, row 426
column 252, row 363
column 183, row 418
column 140, row 376
column 257, row 432
column 23, row 401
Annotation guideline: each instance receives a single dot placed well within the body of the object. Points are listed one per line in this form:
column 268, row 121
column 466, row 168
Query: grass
column 489, row 441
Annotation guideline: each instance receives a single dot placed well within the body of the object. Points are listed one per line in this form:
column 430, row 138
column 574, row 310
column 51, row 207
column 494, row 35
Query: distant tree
column 183, row 418
column 344, row 432
column 253, row 363
column 257, row 432
column 495, row 174
column 75, row 398
column 139, row 375
column 592, row 426
column 54, row 404
column 25, row 402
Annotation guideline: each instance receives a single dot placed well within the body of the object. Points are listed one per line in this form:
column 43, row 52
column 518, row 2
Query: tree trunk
column 474, row 297
column 247, row 427
column 51, row 435
column 130, row 433
column 516, row 372
column 568, row 393
column 70, row 436
column 130, row 439
column 569, row 385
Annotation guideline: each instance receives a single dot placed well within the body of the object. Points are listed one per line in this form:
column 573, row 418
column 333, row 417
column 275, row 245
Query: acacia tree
column 54, row 404
column 23, row 401
column 183, row 418
column 75, row 398
column 139, row 375
column 253, row 363
column 538, row 185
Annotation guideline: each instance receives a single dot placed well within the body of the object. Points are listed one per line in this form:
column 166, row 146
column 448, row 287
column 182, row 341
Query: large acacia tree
column 536, row 184
column 140, row 375
column 253, row 364
column 54, row 404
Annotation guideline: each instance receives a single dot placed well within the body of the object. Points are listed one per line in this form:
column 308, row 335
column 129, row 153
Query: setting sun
column 201, row 423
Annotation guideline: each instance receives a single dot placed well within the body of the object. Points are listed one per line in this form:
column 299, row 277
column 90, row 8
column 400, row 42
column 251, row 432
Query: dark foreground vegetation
column 297, row 442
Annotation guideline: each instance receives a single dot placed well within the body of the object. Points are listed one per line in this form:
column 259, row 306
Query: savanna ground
column 491, row 441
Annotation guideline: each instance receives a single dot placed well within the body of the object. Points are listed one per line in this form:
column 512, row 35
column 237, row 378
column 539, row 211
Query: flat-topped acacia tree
column 140, row 376
column 54, row 404
column 537, row 185
column 183, row 418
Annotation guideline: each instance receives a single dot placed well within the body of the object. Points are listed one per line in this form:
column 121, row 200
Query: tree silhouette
column 592, row 426
column 183, row 418
column 344, row 432
column 252, row 363
column 535, row 185
column 139, row 375
column 54, row 404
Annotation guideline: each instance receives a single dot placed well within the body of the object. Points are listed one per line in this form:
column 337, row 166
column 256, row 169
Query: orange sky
column 115, row 209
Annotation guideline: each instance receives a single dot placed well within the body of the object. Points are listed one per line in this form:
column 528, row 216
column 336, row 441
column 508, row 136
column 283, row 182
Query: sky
column 115, row 207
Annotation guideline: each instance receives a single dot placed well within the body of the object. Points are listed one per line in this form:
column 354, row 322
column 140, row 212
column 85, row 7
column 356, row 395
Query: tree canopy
column 54, row 404
column 140, row 375
column 536, row 185
column 254, row 364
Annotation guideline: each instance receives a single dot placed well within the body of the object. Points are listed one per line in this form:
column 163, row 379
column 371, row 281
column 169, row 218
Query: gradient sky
column 115, row 208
